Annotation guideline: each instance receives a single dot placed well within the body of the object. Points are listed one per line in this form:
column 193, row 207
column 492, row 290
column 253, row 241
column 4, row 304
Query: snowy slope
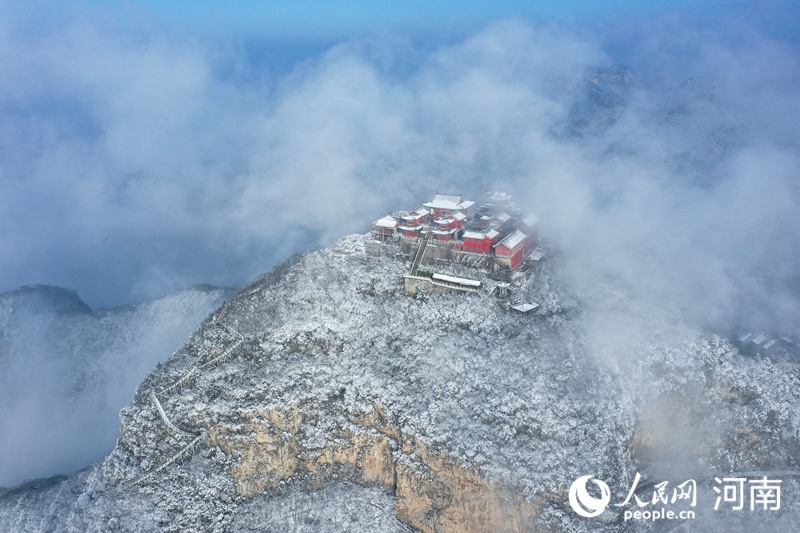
column 431, row 410
column 66, row 371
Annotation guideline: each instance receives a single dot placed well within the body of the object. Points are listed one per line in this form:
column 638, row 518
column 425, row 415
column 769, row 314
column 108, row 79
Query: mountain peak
column 48, row 298
column 444, row 409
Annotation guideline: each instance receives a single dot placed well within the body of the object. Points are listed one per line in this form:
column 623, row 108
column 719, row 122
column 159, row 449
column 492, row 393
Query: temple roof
column 386, row 222
column 474, row 235
column 459, row 281
column 451, row 202
column 480, row 235
column 513, row 240
column 530, row 220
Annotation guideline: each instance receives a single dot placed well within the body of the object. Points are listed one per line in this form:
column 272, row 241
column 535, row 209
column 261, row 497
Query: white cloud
column 135, row 160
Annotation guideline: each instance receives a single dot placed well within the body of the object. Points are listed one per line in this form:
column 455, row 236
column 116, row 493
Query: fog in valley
column 138, row 160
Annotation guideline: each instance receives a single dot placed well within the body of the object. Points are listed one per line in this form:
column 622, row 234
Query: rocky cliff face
column 320, row 398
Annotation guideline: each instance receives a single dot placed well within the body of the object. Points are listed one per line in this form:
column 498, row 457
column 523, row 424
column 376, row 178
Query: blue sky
column 315, row 19
column 278, row 34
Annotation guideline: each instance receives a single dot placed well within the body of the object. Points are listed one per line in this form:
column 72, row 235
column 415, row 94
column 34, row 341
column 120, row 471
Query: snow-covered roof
column 770, row 344
column 536, row 255
column 759, row 339
column 421, row 211
column 444, row 231
column 513, row 240
column 492, row 233
column 524, row 307
column 443, row 221
column 450, row 202
column 386, row 222
column 409, row 228
column 499, row 196
column 458, row 215
column 530, row 220
column 460, row 281
column 474, row 235
column 745, row 337
column 502, row 217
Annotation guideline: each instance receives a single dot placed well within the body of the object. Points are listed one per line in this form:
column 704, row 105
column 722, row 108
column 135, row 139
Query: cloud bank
column 138, row 159
column 65, row 372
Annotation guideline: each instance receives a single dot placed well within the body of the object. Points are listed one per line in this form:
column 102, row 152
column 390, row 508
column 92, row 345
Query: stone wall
column 439, row 253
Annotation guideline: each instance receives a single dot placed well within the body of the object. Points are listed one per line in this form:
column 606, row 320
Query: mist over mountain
column 66, row 371
column 147, row 159
column 142, row 157
column 322, row 398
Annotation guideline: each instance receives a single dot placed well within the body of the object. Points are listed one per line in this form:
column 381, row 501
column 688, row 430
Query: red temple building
column 511, row 250
column 480, row 242
column 448, row 204
column 496, row 230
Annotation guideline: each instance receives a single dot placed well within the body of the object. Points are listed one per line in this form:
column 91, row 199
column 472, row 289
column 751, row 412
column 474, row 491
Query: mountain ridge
column 322, row 378
column 66, row 370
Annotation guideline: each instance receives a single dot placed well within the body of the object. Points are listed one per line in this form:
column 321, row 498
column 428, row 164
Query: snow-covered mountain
column 603, row 103
column 66, row 371
column 321, row 398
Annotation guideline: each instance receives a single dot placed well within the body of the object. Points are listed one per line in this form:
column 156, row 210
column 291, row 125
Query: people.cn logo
column 584, row 503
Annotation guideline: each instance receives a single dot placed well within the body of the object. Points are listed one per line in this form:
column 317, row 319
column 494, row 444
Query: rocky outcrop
column 443, row 412
column 434, row 493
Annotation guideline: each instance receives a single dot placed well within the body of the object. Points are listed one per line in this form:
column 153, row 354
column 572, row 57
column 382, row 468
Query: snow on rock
column 321, row 385
column 66, row 371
